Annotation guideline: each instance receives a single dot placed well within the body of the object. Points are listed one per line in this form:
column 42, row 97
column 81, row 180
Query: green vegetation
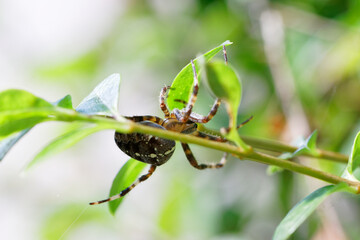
column 293, row 65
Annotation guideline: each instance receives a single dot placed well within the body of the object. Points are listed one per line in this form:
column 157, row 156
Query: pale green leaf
column 301, row 211
column 308, row 146
column 103, row 100
column 65, row 141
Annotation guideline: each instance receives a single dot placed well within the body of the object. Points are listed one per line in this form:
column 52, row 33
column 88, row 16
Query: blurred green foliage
column 321, row 44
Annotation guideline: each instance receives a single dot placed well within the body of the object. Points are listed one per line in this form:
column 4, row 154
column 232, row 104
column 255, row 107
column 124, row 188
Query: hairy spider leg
column 162, row 101
column 227, row 130
column 150, row 118
column 185, row 116
column 128, row 189
column 209, row 137
column 204, row 119
column 194, row 163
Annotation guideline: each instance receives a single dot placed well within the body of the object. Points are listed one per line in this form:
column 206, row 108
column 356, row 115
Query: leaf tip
column 227, row 42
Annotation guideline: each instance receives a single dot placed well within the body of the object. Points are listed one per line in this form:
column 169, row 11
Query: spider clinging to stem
column 155, row 150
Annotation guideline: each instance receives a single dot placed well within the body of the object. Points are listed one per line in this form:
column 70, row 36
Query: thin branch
column 250, row 155
column 276, row 146
column 126, row 126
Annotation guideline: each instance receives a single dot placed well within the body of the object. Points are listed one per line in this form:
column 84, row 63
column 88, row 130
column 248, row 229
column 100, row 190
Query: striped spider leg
column 155, row 150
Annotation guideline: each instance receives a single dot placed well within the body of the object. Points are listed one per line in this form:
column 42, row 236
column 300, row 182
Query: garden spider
column 156, row 151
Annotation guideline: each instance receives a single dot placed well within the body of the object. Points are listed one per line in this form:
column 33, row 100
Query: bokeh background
column 299, row 66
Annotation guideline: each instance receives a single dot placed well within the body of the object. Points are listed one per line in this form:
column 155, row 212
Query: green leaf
column 128, row 173
column 173, row 207
column 65, row 141
column 20, row 110
column 65, row 220
column 301, row 211
column 9, row 142
column 181, row 87
column 308, row 146
column 65, row 102
column 14, row 99
column 225, row 84
column 103, row 100
column 354, row 160
column 84, row 66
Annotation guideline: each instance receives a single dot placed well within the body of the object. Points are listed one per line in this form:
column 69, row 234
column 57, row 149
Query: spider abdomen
column 144, row 147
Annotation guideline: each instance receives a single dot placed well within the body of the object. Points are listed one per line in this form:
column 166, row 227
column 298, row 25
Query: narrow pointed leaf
column 65, row 141
column 65, row 102
column 301, row 211
column 181, row 87
column 128, row 174
column 354, row 160
column 103, row 100
column 64, row 220
column 308, row 146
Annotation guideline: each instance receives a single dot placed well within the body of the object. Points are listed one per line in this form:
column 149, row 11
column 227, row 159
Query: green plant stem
column 126, row 126
column 275, row 146
column 251, row 155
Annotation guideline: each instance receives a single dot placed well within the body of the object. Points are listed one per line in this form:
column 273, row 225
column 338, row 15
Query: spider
column 157, row 151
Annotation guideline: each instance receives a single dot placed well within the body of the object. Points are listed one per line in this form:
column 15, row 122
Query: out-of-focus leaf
column 343, row 59
column 65, row 141
column 65, row 102
column 308, row 146
column 354, row 160
column 14, row 99
column 20, row 110
column 9, row 142
column 225, row 84
column 128, row 173
column 302, row 210
column 173, row 208
column 181, row 87
column 68, row 218
column 103, row 100
column 85, row 65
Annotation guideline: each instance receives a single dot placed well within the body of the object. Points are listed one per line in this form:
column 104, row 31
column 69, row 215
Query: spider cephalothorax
column 156, row 151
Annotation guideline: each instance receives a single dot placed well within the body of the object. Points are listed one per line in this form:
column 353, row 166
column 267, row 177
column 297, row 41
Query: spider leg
column 204, row 119
column 150, row 118
column 227, row 130
column 194, row 163
column 128, row 189
column 184, row 117
column 162, row 101
column 209, row 137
